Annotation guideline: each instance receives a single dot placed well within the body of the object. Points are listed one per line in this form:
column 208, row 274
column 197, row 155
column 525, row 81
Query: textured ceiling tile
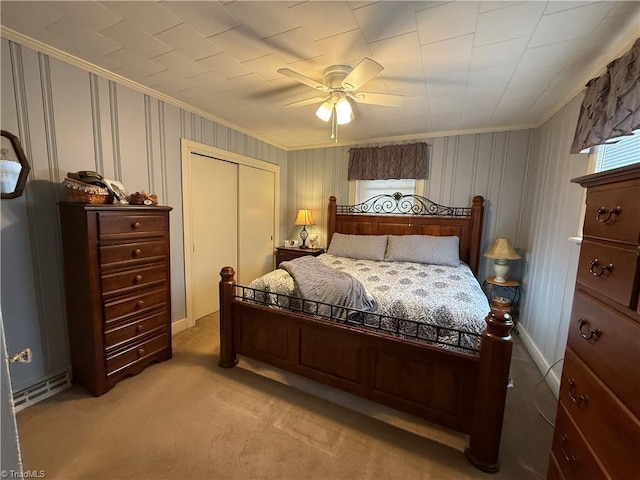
column 497, row 54
column 127, row 34
column 547, row 55
column 179, row 63
column 397, row 50
column 402, row 79
column 344, row 49
column 265, row 19
column 91, row 15
column 148, row 16
column 560, row 6
column 189, row 42
column 495, row 75
column 225, row 65
column 609, row 31
column 447, row 60
column 132, row 63
column 621, row 8
column 212, row 80
column 266, row 67
column 385, row 19
column 447, row 21
column 424, row 5
column 507, row 23
column 293, row 45
column 569, row 24
column 90, row 42
column 206, row 18
column 494, row 5
column 241, row 44
column 28, row 17
column 324, row 19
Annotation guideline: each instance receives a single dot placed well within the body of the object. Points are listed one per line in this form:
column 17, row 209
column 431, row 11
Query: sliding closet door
column 256, row 210
column 214, row 227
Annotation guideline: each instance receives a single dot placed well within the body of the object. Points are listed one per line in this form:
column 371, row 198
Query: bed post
column 495, row 359
column 228, row 358
column 477, row 210
column 331, row 219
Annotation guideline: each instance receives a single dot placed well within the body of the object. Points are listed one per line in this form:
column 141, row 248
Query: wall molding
column 179, row 326
column 552, row 379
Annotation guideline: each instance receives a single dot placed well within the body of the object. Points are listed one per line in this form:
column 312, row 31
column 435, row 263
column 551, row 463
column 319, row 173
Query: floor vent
column 44, row 389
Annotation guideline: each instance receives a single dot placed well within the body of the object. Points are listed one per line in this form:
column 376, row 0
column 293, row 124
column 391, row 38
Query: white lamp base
column 500, row 270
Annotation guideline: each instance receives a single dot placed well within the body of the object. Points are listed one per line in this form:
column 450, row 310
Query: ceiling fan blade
column 308, row 101
column 384, row 99
column 287, row 72
column 361, row 74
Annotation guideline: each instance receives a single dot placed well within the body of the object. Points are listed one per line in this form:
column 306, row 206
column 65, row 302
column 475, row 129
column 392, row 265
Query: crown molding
column 53, row 52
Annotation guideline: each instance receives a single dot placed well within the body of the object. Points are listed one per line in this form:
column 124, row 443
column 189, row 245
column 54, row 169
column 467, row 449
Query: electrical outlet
column 25, row 356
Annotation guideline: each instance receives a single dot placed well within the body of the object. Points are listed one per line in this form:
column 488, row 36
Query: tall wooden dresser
column 116, row 261
column 597, row 433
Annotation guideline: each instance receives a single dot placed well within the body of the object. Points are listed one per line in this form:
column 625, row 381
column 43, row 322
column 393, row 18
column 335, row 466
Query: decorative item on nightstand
column 501, row 251
column 304, row 218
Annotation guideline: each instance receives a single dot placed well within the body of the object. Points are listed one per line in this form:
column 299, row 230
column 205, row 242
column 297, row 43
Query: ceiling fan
column 341, row 84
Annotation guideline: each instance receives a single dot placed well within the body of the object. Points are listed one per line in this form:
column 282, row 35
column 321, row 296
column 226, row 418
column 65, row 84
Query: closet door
column 214, row 228
column 256, row 210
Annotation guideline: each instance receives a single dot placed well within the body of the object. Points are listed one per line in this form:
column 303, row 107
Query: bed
column 443, row 371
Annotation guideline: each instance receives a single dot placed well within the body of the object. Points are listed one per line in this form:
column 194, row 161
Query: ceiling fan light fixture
column 324, row 111
column 344, row 113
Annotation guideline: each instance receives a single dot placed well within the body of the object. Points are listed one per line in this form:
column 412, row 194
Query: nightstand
column 289, row 253
column 509, row 291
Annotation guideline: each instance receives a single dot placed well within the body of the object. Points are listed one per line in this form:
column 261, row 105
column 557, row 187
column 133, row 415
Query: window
column 365, row 189
column 625, row 151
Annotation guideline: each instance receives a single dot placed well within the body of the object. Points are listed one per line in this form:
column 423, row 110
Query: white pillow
column 360, row 247
column 423, row 249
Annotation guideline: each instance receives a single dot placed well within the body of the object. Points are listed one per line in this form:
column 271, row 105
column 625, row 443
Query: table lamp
column 304, row 218
column 501, row 251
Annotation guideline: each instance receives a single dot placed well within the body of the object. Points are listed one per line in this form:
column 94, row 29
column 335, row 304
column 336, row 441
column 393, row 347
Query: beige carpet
column 187, row 418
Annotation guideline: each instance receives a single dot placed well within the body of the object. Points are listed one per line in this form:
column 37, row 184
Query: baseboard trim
column 553, row 380
column 179, row 326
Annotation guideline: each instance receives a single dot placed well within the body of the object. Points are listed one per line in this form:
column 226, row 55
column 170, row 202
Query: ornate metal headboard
column 399, row 214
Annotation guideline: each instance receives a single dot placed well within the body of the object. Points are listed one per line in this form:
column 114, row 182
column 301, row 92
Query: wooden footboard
column 463, row 392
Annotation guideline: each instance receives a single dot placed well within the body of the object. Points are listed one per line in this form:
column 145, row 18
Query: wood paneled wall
column 67, row 120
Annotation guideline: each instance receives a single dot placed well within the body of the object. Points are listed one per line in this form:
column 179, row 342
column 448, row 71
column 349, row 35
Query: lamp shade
column 502, row 249
column 324, row 111
column 304, row 217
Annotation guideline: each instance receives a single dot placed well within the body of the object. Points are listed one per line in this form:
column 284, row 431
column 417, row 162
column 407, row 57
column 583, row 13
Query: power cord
column 533, row 393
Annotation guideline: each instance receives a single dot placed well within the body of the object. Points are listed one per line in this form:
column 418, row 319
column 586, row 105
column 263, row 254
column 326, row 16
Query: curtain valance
column 611, row 105
column 389, row 162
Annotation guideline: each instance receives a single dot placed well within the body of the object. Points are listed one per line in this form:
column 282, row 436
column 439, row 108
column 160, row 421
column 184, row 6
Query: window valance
column 611, row 105
column 389, row 162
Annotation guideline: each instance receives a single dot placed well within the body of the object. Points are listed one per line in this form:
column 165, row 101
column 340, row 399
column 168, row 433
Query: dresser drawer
column 142, row 224
column 116, row 335
column 614, row 355
column 136, row 353
column 610, row 271
column 574, row 456
column 553, row 470
column 613, row 432
column 121, row 308
column 123, row 282
column 132, row 253
column 613, row 212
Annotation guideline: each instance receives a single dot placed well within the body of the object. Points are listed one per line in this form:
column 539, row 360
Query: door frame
column 187, row 148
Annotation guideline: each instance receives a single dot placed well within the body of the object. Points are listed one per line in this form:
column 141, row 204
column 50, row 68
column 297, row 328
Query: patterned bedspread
column 449, row 297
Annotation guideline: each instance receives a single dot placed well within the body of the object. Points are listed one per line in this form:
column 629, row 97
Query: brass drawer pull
column 604, row 214
column 597, row 270
column 139, row 328
column 141, row 352
column 137, row 278
column 137, row 251
column 140, row 303
column 137, row 224
column 597, row 332
column 567, row 456
column 572, row 393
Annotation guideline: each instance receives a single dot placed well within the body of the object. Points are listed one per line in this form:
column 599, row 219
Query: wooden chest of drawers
column 285, row 254
column 116, row 261
column 597, row 433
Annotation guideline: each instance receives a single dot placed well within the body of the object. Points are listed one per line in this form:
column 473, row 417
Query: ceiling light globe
column 324, row 111
column 344, row 113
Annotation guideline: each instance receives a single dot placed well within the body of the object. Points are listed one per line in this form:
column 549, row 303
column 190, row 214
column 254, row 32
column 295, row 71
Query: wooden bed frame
column 464, row 392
